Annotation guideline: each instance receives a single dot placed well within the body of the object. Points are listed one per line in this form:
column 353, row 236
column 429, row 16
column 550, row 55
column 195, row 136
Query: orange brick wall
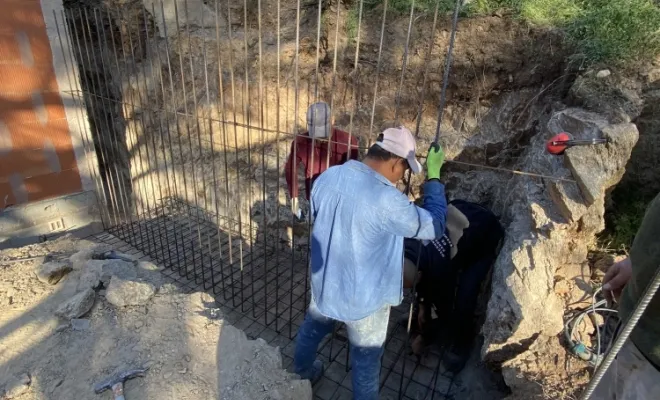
column 37, row 158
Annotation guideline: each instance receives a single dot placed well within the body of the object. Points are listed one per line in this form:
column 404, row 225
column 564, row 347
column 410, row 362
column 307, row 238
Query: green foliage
column 624, row 219
column 403, row 6
column 602, row 30
column 549, row 12
column 352, row 22
column 613, row 31
column 617, row 30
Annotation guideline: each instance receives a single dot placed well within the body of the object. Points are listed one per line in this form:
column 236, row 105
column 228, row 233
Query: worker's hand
column 434, row 161
column 616, row 279
column 295, row 209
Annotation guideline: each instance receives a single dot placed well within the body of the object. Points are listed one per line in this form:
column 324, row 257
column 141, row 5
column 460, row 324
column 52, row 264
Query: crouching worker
column 451, row 272
column 360, row 220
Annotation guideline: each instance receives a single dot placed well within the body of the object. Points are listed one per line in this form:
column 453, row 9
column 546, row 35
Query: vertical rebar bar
column 246, row 118
column 214, row 189
column 295, row 141
column 238, row 175
column 448, row 62
column 199, row 141
column 148, row 173
column 160, row 105
column 334, row 84
column 189, row 135
column 178, row 135
column 145, row 241
column 108, row 182
column 427, row 62
column 87, row 145
column 113, row 153
column 225, row 144
column 404, row 63
column 378, row 64
column 153, row 156
column 264, row 226
column 356, row 76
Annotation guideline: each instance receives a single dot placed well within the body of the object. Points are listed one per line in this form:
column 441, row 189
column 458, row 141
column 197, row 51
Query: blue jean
column 366, row 337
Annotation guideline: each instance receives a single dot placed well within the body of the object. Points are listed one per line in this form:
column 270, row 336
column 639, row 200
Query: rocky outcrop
column 551, row 223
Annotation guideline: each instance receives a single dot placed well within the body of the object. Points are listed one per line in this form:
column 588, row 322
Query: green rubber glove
column 434, row 161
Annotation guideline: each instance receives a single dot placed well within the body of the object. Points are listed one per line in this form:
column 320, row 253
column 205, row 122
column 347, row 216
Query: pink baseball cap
column 400, row 142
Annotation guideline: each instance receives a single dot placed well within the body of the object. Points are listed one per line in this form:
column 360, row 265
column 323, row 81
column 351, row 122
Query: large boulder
column 550, row 225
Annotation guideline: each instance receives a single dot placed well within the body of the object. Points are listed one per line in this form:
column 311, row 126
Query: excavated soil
column 191, row 352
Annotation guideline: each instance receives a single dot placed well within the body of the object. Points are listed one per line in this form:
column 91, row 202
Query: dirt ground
column 190, row 351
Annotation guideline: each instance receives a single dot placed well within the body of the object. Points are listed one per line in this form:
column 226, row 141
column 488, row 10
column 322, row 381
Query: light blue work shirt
column 360, row 220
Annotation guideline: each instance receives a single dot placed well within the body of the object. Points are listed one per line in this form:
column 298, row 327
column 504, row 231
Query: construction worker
column 360, row 220
column 451, row 273
column 321, row 147
column 635, row 373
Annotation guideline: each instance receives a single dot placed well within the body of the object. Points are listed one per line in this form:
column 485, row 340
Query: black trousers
column 453, row 288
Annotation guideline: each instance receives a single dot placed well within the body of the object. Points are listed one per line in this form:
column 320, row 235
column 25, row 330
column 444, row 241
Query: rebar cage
column 192, row 107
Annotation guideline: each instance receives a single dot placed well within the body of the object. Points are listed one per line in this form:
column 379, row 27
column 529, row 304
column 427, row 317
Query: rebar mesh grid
column 270, row 304
column 190, row 154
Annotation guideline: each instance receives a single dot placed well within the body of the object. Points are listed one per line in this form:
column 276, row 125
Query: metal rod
column 318, row 49
column 238, row 178
column 107, row 178
column 142, row 196
column 427, row 62
column 264, row 226
column 334, row 82
column 246, row 118
column 404, row 62
column 162, row 142
column 88, row 146
column 187, row 125
column 378, row 64
column 145, row 132
column 178, row 134
column 448, row 62
column 627, row 329
column 356, row 77
column 201, row 176
column 214, row 188
column 224, row 151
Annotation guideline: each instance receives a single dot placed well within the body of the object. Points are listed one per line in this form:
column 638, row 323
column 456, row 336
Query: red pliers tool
column 559, row 143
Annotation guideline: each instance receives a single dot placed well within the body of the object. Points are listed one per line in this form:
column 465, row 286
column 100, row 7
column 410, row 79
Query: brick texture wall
column 37, row 158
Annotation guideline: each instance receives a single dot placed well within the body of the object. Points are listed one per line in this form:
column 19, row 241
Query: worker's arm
column 404, row 218
column 291, row 172
column 427, row 222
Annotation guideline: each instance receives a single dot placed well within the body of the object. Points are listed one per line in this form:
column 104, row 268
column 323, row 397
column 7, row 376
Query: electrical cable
column 577, row 347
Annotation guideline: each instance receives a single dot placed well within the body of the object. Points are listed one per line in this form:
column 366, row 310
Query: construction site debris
column 52, row 272
column 122, row 293
column 178, row 336
column 78, row 324
column 77, row 306
column 16, row 386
